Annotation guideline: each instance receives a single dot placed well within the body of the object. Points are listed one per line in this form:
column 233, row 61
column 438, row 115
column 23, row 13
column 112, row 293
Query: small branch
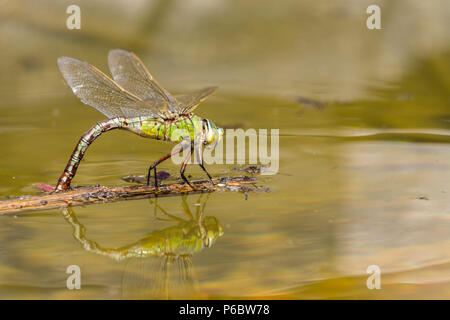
column 96, row 194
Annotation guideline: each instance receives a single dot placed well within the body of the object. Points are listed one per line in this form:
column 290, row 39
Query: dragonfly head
column 212, row 134
column 213, row 229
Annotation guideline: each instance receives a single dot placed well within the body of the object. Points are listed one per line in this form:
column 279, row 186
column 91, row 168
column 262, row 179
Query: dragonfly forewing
column 130, row 73
column 96, row 89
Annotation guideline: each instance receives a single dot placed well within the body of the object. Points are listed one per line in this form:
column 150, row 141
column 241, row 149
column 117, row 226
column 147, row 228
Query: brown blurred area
column 284, row 48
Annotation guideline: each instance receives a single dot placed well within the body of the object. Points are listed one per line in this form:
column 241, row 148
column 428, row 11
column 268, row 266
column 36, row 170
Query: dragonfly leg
column 153, row 166
column 183, row 168
column 199, row 157
column 209, row 176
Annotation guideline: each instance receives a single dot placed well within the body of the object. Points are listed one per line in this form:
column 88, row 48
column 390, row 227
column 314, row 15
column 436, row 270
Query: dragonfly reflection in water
column 159, row 265
column 136, row 102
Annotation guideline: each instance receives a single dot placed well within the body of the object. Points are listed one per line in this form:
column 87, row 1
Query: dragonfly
column 133, row 100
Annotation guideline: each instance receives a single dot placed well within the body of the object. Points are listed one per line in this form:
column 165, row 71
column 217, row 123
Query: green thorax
column 171, row 130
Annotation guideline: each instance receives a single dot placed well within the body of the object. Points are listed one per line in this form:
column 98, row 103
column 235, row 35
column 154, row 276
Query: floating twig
column 101, row 194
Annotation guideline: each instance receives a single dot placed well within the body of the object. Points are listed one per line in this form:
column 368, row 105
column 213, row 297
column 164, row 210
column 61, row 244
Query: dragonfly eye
column 204, row 124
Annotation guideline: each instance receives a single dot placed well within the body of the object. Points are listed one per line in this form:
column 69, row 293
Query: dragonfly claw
column 187, row 181
column 190, row 185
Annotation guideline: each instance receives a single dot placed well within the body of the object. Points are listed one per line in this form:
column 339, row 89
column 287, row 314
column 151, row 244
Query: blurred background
column 296, row 47
column 364, row 119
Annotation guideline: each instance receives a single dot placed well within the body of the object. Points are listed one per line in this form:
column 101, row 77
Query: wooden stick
column 100, row 194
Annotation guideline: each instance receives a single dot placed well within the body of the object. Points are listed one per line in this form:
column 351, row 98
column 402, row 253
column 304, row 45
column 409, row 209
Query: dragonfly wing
column 130, row 73
column 163, row 277
column 188, row 102
column 153, row 108
column 97, row 90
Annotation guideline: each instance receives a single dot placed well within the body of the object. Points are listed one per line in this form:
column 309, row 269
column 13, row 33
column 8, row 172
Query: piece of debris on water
column 45, row 187
column 307, row 102
column 244, row 184
column 254, row 169
column 250, row 169
column 162, row 175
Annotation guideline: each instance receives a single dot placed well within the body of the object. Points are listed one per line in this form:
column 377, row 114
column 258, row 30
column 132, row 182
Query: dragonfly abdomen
column 84, row 142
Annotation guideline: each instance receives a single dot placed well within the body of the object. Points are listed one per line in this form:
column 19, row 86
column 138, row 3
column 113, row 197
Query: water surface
column 364, row 179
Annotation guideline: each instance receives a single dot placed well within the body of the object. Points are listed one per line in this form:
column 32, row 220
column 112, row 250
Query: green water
column 363, row 181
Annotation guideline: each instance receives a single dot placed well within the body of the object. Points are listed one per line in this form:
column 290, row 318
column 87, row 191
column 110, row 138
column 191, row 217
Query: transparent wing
column 188, row 102
column 164, row 277
column 130, row 73
column 97, row 90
